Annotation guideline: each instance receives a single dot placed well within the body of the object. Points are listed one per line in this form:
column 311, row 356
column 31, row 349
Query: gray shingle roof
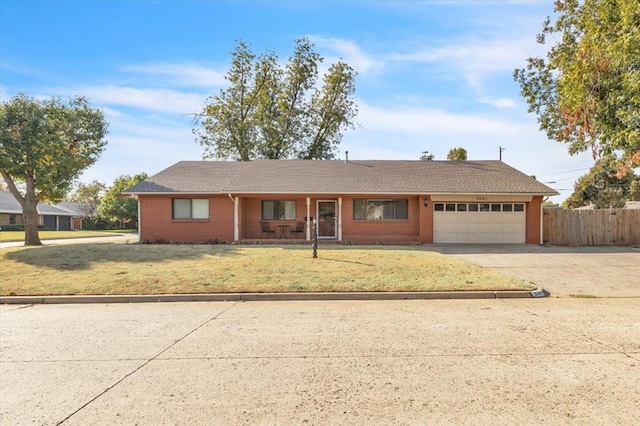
column 341, row 177
column 9, row 205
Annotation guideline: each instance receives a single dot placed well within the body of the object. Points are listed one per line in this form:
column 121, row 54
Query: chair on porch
column 299, row 229
column 266, row 229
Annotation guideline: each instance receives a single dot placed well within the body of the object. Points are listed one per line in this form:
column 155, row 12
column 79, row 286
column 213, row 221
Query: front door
column 326, row 219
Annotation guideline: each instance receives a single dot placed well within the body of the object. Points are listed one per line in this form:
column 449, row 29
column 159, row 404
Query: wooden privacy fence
column 600, row 227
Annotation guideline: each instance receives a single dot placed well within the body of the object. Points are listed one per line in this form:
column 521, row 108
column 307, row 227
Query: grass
column 11, row 236
column 155, row 269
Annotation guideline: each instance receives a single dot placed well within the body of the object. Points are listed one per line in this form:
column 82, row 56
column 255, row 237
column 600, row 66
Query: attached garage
column 480, row 219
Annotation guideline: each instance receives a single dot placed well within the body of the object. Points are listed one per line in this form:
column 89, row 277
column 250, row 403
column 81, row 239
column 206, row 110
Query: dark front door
column 326, row 219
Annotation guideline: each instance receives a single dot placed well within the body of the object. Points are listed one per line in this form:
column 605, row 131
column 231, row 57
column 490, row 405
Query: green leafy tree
column 427, row 156
column 274, row 111
column 602, row 187
column 44, row 146
column 586, row 92
column 90, row 195
column 457, row 154
column 115, row 208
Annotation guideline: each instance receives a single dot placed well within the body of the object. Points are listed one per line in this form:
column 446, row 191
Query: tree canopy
column 457, row 154
column 427, row 156
column 277, row 111
column 88, row 194
column 603, row 188
column 586, row 91
column 44, row 146
column 113, row 207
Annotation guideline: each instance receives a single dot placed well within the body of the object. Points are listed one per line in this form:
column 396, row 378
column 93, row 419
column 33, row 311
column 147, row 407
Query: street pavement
column 498, row 361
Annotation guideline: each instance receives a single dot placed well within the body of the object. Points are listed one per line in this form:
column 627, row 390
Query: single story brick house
column 363, row 202
column 56, row 218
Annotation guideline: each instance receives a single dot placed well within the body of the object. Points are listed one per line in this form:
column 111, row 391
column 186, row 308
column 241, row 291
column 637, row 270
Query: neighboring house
column 388, row 202
column 634, row 205
column 54, row 218
column 80, row 211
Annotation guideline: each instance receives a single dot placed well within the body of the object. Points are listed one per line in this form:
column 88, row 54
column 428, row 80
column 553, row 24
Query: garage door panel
column 500, row 224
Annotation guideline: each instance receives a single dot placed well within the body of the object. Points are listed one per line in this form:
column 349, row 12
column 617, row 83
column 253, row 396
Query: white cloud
column 182, row 74
column 350, row 52
column 162, row 100
column 500, row 102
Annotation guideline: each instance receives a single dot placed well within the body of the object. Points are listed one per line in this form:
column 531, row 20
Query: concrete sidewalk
column 115, row 238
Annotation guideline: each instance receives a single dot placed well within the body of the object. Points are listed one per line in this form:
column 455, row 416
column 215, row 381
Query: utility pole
column 501, row 149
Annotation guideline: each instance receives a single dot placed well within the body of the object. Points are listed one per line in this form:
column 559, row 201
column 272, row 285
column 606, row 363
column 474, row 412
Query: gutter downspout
column 236, row 224
column 541, row 226
column 135, row 197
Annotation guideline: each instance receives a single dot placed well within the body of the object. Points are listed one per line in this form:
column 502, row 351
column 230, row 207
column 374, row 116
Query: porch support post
column 339, row 218
column 308, row 218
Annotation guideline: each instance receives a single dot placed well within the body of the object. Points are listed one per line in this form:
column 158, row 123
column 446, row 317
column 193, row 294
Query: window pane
column 462, row 207
column 495, row 207
column 200, row 209
column 473, row 207
column 450, row 207
column 268, row 210
column 375, row 210
column 289, row 210
column 484, row 207
column 438, row 207
column 507, row 207
column 402, row 209
column 518, row 207
column 181, row 208
column 387, row 209
column 359, row 209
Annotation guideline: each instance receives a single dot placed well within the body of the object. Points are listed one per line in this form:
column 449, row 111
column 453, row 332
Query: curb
column 257, row 297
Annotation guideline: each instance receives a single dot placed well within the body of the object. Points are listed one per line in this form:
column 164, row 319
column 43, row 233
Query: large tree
column 88, row 194
column 44, row 146
column 113, row 207
column 602, row 187
column 586, row 91
column 276, row 111
column 457, row 154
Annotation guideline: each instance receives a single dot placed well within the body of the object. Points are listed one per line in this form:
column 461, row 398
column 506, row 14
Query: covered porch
column 286, row 218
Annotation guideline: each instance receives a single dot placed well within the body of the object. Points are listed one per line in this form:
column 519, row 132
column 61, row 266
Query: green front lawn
column 155, row 269
column 10, row 236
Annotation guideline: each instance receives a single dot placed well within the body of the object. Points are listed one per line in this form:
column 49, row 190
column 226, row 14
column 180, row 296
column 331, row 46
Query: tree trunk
column 30, row 215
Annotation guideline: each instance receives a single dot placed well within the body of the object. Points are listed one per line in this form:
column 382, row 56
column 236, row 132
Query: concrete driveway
column 563, row 271
column 525, row 361
column 115, row 238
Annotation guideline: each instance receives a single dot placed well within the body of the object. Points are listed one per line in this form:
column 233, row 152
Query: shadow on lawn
column 83, row 256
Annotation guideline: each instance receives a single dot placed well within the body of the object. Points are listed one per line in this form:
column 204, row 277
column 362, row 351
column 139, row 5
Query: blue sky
column 432, row 75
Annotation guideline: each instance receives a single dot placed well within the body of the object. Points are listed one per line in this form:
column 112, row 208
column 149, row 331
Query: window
column 380, row 209
column 278, row 210
column 518, row 207
column 495, row 207
column 462, row 207
column 190, row 208
column 450, row 207
column 439, row 207
column 507, row 207
column 473, row 207
column 484, row 207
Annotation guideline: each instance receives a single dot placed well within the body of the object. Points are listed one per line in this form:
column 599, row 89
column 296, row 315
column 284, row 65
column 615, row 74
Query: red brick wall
column 533, row 220
column 382, row 231
column 157, row 224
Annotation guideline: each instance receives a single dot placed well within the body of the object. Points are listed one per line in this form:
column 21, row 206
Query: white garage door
column 479, row 222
